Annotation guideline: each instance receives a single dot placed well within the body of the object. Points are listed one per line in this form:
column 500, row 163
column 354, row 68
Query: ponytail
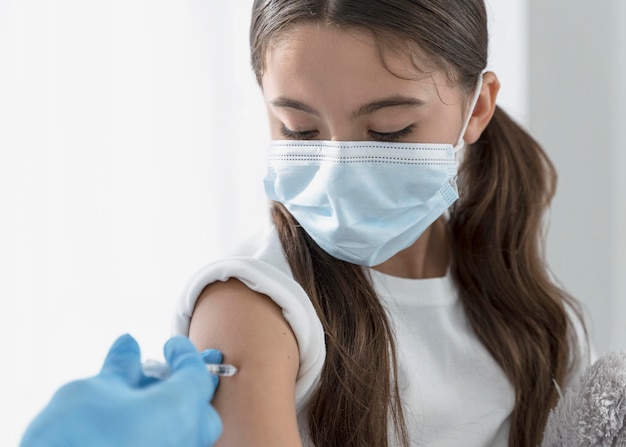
column 506, row 183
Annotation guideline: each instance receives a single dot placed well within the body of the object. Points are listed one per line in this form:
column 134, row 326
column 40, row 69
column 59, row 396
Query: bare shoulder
column 257, row 405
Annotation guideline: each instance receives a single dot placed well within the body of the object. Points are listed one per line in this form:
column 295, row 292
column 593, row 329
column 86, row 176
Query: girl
column 401, row 296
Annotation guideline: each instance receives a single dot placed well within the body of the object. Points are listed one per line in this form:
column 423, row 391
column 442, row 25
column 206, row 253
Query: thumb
column 123, row 361
column 211, row 356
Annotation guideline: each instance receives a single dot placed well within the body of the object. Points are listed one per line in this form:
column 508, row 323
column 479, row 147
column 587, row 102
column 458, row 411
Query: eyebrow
column 287, row 103
column 392, row 101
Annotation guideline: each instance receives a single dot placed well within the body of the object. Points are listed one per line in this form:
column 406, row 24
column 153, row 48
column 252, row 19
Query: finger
column 187, row 366
column 211, row 356
column 123, row 360
column 180, row 353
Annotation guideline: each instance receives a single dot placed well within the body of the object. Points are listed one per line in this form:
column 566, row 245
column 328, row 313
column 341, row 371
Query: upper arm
column 257, row 405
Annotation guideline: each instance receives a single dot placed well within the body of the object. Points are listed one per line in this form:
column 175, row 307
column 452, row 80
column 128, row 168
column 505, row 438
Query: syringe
column 160, row 370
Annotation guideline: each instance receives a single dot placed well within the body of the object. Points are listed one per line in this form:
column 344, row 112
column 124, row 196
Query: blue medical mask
column 364, row 201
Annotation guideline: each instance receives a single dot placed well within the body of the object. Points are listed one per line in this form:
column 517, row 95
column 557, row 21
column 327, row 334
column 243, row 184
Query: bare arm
column 257, row 405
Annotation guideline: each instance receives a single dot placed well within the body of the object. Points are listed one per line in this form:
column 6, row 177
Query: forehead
column 325, row 60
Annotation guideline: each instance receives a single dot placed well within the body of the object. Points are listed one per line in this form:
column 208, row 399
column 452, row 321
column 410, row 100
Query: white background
column 132, row 143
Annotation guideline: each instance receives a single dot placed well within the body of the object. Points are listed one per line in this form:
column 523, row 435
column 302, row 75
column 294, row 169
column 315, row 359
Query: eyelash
column 379, row 136
column 292, row 134
column 392, row 136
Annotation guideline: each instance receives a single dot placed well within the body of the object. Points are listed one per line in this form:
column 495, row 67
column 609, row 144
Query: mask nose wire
column 479, row 85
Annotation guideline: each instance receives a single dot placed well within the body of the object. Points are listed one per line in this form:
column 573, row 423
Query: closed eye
column 392, row 136
column 297, row 135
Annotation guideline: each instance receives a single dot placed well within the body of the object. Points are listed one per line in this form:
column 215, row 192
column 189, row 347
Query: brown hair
column 506, row 182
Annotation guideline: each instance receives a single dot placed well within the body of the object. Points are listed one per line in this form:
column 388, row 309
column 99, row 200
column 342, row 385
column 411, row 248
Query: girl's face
column 324, row 83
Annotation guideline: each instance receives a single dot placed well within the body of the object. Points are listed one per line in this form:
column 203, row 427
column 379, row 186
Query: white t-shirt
column 453, row 392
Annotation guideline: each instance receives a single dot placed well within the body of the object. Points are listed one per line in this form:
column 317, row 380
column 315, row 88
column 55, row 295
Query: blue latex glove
column 211, row 356
column 121, row 407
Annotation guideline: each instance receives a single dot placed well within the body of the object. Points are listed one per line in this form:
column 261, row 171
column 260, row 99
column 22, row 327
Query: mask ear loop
column 460, row 144
column 479, row 86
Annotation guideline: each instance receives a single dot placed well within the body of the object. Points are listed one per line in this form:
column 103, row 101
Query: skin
column 323, row 82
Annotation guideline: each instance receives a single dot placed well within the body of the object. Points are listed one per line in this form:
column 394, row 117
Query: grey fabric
column 592, row 413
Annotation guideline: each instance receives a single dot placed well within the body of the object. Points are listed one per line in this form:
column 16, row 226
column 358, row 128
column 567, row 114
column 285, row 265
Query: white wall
column 132, row 140
column 578, row 112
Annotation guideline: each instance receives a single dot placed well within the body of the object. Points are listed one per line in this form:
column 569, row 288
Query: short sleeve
column 262, row 277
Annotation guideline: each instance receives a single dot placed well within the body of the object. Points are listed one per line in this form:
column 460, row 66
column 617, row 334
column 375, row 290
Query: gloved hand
column 121, row 407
